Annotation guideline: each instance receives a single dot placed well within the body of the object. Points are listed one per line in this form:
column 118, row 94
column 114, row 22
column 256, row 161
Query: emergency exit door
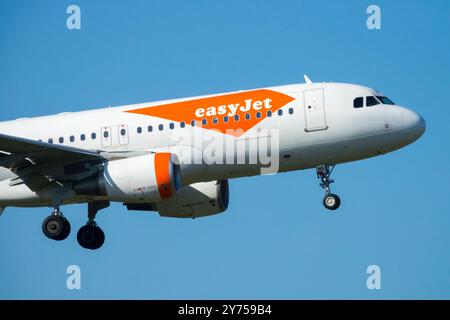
column 314, row 110
column 106, row 137
column 123, row 134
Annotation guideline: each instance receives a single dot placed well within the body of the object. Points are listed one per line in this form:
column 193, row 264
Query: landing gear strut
column 91, row 236
column 55, row 226
column 330, row 201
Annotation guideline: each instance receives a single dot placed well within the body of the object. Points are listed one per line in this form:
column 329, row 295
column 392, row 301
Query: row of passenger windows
column 193, row 123
column 82, row 137
column 216, row 120
column 371, row 101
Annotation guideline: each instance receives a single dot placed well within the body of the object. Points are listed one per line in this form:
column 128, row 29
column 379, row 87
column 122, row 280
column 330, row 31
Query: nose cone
column 413, row 124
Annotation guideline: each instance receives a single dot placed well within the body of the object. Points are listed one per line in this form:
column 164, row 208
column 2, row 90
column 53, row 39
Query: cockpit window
column 371, row 101
column 358, row 102
column 385, row 100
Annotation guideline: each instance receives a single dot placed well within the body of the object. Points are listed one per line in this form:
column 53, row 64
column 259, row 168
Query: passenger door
column 314, row 110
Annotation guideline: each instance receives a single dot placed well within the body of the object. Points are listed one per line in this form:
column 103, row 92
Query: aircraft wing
column 15, row 148
column 38, row 164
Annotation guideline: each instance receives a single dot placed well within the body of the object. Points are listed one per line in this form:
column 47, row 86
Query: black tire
column 66, row 231
column 56, row 227
column 90, row 237
column 331, row 201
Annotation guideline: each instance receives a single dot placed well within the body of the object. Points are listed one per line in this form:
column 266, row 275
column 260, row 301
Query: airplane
column 153, row 156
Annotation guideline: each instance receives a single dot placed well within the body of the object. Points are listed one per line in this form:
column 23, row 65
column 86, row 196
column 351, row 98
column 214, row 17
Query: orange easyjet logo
column 233, row 113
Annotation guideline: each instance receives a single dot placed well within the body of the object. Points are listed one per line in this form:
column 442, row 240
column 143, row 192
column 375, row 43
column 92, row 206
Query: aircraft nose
column 413, row 124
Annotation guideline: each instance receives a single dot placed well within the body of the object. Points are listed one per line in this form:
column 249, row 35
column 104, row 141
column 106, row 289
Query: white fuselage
column 320, row 125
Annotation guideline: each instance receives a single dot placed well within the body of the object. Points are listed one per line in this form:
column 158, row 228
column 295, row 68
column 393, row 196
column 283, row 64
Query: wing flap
column 34, row 181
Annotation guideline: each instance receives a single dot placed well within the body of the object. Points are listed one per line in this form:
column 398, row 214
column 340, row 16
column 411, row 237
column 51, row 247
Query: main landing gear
column 330, row 200
column 90, row 236
column 55, row 226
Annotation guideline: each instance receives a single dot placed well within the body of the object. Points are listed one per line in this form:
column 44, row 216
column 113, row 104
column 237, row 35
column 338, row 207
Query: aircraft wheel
column 56, row 227
column 91, row 237
column 331, row 201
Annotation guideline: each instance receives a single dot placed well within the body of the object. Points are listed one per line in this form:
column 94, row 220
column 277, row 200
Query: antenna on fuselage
column 307, row 80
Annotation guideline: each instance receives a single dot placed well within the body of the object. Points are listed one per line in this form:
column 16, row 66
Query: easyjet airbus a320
column 175, row 157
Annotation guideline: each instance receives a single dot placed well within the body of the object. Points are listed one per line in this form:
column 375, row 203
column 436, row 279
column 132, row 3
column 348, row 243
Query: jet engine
column 193, row 201
column 148, row 178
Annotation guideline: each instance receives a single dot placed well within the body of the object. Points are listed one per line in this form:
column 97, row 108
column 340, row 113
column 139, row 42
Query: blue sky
column 276, row 241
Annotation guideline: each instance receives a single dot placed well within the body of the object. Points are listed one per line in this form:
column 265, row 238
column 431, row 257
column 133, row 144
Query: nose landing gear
column 330, row 200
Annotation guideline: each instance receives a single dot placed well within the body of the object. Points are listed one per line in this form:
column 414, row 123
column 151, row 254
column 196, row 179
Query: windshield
column 385, row 100
column 371, row 101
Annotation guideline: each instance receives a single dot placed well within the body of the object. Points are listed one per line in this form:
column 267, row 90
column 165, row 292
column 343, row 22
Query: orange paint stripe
column 217, row 108
column 162, row 172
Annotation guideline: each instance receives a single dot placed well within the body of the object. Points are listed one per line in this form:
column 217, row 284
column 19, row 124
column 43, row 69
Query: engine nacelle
column 193, row 201
column 148, row 178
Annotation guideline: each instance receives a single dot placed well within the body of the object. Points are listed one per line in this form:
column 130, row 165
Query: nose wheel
column 330, row 200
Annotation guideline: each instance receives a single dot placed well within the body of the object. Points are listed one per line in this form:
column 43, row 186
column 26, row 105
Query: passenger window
column 269, row 113
column 225, row 119
column 182, row 124
column 247, row 116
column 61, row 140
column 258, row 115
column 161, row 127
column 123, row 132
column 215, row 120
column 204, row 122
column 72, row 139
column 371, row 101
column 358, row 102
column 193, row 123
column 50, row 140
column 105, row 134
column 150, row 128
column 291, row 111
column 139, row 130
column 82, row 137
column 171, row 125
column 236, row 118
column 93, row 136
column 280, row 112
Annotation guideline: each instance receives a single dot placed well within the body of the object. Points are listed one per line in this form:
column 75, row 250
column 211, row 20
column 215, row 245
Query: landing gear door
column 106, row 137
column 314, row 110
